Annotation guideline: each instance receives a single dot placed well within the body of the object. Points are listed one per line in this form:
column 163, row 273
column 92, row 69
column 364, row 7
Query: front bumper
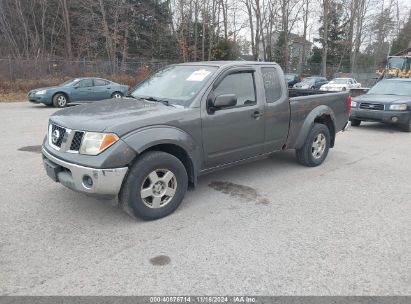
column 39, row 99
column 105, row 182
column 395, row 117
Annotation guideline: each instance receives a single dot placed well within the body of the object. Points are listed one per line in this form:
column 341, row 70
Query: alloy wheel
column 158, row 188
column 318, row 146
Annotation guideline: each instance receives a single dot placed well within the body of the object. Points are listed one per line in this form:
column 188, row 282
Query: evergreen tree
column 403, row 40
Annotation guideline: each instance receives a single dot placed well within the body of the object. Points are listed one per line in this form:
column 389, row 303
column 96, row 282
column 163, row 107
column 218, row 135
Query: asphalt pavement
column 272, row 227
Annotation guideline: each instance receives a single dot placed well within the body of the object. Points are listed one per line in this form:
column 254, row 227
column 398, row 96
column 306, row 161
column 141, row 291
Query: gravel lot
column 339, row 229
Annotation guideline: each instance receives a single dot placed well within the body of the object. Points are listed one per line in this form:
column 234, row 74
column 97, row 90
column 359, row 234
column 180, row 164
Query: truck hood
column 384, row 99
column 119, row 116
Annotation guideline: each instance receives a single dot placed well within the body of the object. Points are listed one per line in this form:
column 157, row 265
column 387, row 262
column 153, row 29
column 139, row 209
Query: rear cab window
column 272, row 84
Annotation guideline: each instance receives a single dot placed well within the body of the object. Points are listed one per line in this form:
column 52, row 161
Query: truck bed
column 302, row 104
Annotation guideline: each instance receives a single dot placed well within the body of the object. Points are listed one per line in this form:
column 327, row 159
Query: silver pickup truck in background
column 184, row 121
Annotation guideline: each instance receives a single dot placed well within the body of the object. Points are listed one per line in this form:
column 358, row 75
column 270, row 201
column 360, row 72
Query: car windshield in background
column 391, row 87
column 69, row 82
column 339, row 81
column 290, row 76
column 176, row 84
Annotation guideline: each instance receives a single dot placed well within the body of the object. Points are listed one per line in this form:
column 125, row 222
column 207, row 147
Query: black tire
column 305, row 155
column 406, row 127
column 355, row 122
column 130, row 197
column 117, row 95
column 60, row 100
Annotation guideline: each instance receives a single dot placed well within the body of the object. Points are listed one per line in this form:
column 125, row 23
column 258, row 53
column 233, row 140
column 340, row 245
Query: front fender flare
column 146, row 138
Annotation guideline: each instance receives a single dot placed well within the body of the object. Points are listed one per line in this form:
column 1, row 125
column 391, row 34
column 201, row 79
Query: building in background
column 299, row 50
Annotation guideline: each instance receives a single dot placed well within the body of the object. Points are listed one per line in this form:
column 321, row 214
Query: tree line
column 345, row 33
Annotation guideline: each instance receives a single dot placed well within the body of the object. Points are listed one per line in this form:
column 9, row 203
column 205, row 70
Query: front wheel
column 155, row 186
column 355, row 122
column 60, row 100
column 316, row 146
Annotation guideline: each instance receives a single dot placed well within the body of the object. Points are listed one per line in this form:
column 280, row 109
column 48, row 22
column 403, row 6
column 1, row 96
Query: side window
column 272, row 84
column 85, row 83
column 240, row 84
column 100, row 82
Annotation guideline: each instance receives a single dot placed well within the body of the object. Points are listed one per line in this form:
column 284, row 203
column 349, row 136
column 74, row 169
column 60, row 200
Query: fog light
column 394, row 119
column 87, row 181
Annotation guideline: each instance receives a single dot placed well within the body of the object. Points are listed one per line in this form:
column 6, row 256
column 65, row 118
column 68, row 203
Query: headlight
column 42, row 92
column 95, row 143
column 399, row 107
column 353, row 104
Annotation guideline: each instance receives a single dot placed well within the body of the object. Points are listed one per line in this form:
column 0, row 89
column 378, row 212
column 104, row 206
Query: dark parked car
column 78, row 90
column 184, row 121
column 389, row 101
column 313, row 83
column 292, row 79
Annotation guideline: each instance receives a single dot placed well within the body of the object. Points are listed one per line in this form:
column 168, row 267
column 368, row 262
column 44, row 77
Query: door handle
column 256, row 115
column 108, row 88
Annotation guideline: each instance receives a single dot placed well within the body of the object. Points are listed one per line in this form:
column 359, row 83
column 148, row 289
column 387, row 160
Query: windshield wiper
column 165, row 102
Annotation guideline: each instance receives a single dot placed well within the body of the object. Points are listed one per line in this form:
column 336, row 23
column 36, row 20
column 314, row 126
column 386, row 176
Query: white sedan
column 341, row 84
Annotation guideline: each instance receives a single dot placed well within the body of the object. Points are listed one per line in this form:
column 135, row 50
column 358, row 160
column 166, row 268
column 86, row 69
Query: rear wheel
column 60, row 100
column 355, row 122
column 316, row 146
column 116, row 95
column 155, row 186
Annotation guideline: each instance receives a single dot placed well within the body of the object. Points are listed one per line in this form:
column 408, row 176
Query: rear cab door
column 234, row 133
column 276, row 108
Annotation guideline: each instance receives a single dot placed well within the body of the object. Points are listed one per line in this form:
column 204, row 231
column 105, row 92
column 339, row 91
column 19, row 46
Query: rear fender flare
column 309, row 123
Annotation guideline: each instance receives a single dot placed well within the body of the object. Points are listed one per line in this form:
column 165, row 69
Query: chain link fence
column 13, row 69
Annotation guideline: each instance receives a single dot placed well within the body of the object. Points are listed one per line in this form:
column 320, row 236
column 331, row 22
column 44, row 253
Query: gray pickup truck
column 184, row 121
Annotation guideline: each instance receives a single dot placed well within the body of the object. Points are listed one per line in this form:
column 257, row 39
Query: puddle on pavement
column 239, row 191
column 34, row 149
column 160, row 260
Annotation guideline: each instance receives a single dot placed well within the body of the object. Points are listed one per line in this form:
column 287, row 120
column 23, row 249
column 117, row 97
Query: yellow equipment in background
column 398, row 65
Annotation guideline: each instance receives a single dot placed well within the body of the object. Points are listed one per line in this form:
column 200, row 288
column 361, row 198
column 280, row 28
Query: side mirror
column 225, row 101
column 76, row 86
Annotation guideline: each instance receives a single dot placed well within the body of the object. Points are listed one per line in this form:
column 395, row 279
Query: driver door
column 83, row 91
column 234, row 133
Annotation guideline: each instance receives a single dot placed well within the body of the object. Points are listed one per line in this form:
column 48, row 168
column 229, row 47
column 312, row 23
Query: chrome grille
column 76, row 141
column 372, row 106
column 57, row 140
column 67, row 140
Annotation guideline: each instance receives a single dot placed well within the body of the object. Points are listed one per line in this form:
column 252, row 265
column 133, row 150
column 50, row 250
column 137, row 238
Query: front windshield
column 391, row 87
column 308, row 80
column 177, row 84
column 339, row 81
column 396, row 63
column 69, row 82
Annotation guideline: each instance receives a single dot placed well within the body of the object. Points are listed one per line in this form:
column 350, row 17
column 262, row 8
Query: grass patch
column 13, row 97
